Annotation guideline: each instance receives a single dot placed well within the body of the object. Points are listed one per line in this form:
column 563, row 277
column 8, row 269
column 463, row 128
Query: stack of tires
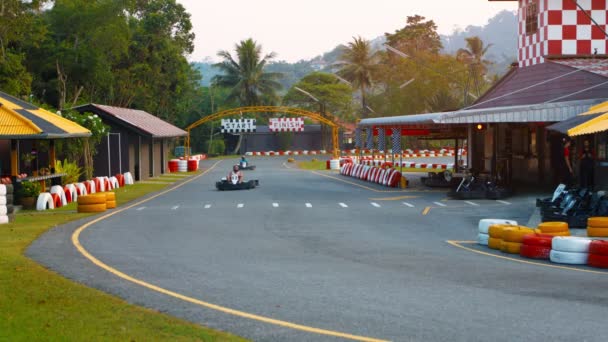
column 597, row 227
column 387, row 177
column 496, row 235
column 484, row 226
column 173, row 163
column 570, row 250
column 6, row 204
column 598, row 254
column 513, row 239
column 192, row 165
column 128, row 178
column 554, row 228
column 110, row 200
column 95, row 203
column 182, row 166
column 536, row 246
column 46, row 201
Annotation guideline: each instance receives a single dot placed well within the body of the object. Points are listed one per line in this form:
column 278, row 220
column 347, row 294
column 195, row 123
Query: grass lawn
column 312, row 165
column 38, row 304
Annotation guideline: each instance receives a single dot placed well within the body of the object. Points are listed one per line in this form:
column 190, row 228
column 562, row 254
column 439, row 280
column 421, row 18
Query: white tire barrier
column 93, row 187
column 128, row 178
column 2, row 190
column 571, row 244
column 3, row 219
column 3, row 200
column 3, row 210
column 81, row 189
column 569, row 258
column 114, row 182
column 484, row 224
column 73, row 192
column 102, row 184
column 57, row 189
column 45, row 201
column 182, row 166
column 483, row 239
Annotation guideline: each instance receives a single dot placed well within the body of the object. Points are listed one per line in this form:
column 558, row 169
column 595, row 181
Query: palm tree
column 244, row 75
column 474, row 55
column 357, row 66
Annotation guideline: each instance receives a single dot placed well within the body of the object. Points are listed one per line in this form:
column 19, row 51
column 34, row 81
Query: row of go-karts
column 573, row 206
column 232, row 182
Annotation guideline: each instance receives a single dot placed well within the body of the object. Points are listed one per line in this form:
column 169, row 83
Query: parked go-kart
column 233, row 184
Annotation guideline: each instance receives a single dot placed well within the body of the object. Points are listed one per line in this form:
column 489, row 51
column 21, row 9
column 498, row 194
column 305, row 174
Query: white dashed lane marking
column 140, row 208
column 207, row 206
column 408, row 204
column 375, row 204
column 175, row 207
column 308, row 205
column 343, row 205
column 240, row 205
column 440, row 204
column 471, row 203
column 276, row 205
column 504, row 202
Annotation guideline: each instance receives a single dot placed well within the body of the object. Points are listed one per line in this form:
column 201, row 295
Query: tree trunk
column 238, row 145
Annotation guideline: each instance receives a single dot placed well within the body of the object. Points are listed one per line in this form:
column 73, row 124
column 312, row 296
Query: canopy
column 595, row 125
column 23, row 120
column 566, row 125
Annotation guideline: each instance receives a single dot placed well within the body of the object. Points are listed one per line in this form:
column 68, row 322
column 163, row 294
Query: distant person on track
column 244, row 161
column 236, row 176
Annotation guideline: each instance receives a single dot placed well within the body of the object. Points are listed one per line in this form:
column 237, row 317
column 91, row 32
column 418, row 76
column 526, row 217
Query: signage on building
column 238, row 125
column 286, row 125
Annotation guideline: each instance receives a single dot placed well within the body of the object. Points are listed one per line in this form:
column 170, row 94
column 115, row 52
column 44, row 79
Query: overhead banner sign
column 238, row 125
column 286, row 125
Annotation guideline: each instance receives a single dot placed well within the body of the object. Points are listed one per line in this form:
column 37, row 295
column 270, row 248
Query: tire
column 3, row 200
column 571, row 244
column 510, row 247
column 110, row 196
column 485, row 224
column 516, row 234
column 2, row 190
column 3, row 219
column 57, row 189
column 91, row 208
column 597, row 232
column 496, row 230
column 3, row 210
column 494, row 243
column 599, row 247
column 569, row 258
column 71, row 194
column 597, row 260
column 553, row 227
column 91, row 188
column 566, row 233
column 92, row 199
column 81, row 189
column 110, row 204
column 538, row 240
column 482, row 239
column 10, row 209
column 44, row 201
column 598, row 222
column 57, row 200
column 535, row 252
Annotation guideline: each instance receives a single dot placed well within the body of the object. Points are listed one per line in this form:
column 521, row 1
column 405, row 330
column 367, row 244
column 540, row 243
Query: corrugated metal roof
column 564, row 126
column 22, row 120
column 140, row 120
column 597, row 109
column 595, row 125
column 402, row 120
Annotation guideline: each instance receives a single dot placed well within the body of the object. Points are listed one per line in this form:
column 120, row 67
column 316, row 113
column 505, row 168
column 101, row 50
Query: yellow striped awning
column 595, row 125
column 23, row 120
column 597, row 109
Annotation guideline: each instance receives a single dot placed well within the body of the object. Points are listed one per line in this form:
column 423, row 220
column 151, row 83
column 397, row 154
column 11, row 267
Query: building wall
column 118, row 157
column 157, row 160
column 563, row 29
column 145, row 159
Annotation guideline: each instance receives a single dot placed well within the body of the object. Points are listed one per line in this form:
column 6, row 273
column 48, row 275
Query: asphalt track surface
column 316, row 251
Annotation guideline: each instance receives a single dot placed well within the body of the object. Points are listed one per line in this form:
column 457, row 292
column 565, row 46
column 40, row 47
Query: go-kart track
column 314, row 256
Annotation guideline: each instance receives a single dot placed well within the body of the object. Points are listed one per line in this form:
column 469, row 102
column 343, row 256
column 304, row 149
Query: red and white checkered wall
column 563, row 29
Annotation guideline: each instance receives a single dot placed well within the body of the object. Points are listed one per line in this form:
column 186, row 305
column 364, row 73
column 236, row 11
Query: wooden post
column 52, row 155
column 14, row 157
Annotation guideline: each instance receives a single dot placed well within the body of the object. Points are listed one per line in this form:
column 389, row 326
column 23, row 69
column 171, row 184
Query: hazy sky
column 304, row 29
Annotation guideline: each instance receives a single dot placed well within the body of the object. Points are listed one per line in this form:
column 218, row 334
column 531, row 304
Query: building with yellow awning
column 597, row 124
column 20, row 120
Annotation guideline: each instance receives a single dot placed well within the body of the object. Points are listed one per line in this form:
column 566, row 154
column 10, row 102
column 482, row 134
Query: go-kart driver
column 236, row 176
column 243, row 161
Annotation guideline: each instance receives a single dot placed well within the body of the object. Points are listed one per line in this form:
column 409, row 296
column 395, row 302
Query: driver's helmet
column 235, row 168
column 243, row 157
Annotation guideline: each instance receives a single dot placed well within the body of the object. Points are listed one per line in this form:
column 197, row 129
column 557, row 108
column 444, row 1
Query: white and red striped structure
column 286, row 125
column 560, row 28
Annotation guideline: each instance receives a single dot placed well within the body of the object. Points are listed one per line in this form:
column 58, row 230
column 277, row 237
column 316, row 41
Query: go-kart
column 233, row 184
column 246, row 166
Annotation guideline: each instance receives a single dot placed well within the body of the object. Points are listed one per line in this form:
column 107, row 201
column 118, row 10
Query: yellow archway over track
column 326, row 119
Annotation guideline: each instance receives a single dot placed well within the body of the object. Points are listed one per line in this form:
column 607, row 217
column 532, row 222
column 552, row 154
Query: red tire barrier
column 541, row 240
column 598, row 247
column 192, row 165
column 107, row 184
column 534, row 252
column 68, row 194
column 173, row 164
column 598, row 260
column 394, row 180
column 56, row 200
column 87, row 185
column 121, row 180
column 98, row 185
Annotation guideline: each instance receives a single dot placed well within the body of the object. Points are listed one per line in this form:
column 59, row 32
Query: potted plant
column 29, row 194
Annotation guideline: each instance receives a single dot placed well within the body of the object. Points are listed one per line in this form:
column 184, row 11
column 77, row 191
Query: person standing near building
column 567, row 171
column 586, row 165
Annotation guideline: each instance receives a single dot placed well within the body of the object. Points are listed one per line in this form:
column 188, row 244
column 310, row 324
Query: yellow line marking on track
column 426, row 211
column 372, row 189
column 99, row 263
column 459, row 244
column 393, row 198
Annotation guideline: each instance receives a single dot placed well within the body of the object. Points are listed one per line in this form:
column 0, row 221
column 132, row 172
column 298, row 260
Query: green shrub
column 72, row 171
column 29, row 189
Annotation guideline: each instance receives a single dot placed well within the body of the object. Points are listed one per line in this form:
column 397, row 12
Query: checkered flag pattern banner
column 286, row 125
column 370, row 138
column 358, row 139
column 238, row 125
column 381, row 139
column 396, row 140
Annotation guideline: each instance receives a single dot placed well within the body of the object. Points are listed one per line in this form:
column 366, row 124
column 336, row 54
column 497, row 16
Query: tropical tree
column 246, row 76
column 473, row 56
column 358, row 65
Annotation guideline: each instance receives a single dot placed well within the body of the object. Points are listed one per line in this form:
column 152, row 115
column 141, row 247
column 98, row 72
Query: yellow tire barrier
column 598, row 222
column 92, row 208
column 516, row 234
column 111, row 204
column 494, row 243
column 496, row 230
column 92, row 199
column 110, row 196
column 597, row 232
column 510, row 247
column 553, row 227
column 564, row 233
